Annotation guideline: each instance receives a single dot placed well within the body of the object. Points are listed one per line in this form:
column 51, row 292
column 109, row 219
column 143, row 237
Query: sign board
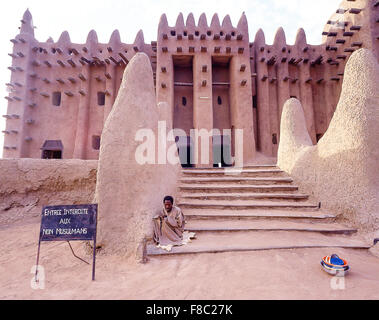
column 64, row 223
column 67, row 223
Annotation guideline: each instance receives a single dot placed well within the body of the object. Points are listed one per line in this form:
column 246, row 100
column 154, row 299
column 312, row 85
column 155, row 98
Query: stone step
column 236, row 225
column 242, row 204
column 206, row 188
column 268, row 240
column 257, row 214
column 236, row 180
column 243, row 196
column 232, row 173
column 257, row 166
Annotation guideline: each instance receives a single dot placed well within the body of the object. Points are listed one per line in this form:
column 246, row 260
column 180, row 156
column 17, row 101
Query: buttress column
column 81, row 136
column 202, row 109
column 264, row 130
column 306, row 94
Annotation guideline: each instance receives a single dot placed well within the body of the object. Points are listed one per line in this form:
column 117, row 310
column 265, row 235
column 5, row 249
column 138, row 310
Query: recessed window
column 52, row 149
column 96, row 142
column 219, row 100
column 209, row 32
column 221, row 33
column 255, row 103
column 197, row 33
column 101, row 98
column 184, row 101
column 52, row 154
column 185, row 33
column 274, row 139
column 56, row 98
column 173, row 33
column 233, row 33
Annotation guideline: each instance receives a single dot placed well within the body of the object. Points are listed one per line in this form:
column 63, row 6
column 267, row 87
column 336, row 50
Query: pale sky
column 52, row 17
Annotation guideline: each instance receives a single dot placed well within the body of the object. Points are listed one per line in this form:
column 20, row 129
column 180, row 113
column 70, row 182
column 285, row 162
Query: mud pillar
column 202, row 109
column 306, row 98
column 264, row 130
column 329, row 95
column 83, row 115
column 110, row 89
column 241, row 105
column 283, row 88
column 165, row 67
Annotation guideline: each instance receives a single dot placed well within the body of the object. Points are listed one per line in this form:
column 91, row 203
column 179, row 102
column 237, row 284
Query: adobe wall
column 26, row 185
column 311, row 73
column 341, row 171
column 261, row 78
column 354, row 25
column 79, row 72
column 207, row 45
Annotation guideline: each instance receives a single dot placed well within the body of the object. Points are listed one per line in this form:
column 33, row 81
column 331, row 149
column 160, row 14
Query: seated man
column 169, row 224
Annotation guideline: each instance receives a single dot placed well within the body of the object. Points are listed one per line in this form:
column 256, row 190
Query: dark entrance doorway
column 185, row 151
column 52, row 149
column 222, row 152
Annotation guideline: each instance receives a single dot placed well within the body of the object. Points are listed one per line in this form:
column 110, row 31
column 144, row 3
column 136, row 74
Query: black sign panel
column 71, row 222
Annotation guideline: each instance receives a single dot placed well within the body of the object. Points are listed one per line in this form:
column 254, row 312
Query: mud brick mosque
column 212, row 75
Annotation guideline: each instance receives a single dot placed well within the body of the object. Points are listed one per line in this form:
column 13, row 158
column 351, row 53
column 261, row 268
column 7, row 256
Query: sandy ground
column 273, row 274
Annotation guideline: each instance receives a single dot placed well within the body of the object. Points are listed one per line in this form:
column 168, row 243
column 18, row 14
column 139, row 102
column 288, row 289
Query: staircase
column 259, row 208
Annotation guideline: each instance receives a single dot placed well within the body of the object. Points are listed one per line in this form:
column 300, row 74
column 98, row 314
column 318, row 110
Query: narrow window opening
column 233, row 33
column 274, row 139
column 221, row 33
column 255, row 105
column 209, row 33
column 219, row 100
column 184, row 101
column 101, row 98
column 173, row 33
column 185, row 33
column 197, row 33
column 57, row 97
column 96, row 142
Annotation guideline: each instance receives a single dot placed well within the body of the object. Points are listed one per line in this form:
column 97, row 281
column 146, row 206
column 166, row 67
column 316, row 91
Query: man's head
column 168, row 201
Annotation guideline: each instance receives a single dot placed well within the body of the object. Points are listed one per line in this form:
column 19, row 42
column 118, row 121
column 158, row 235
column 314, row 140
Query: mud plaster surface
column 342, row 169
column 272, row 274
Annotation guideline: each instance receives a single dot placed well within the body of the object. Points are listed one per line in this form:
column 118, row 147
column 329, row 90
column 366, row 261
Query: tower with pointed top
column 17, row 135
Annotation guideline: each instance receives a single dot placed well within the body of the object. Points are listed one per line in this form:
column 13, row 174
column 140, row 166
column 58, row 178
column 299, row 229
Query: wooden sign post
column 66, row 223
